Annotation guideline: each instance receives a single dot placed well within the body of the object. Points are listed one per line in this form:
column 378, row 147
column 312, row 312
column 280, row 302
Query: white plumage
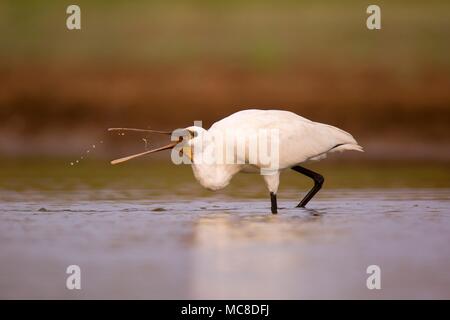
column 300, row 140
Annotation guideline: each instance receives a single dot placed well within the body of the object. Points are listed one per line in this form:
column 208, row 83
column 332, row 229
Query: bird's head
column 194, row 139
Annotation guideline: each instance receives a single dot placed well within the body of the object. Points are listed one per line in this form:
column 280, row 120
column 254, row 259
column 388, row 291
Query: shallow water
column 225, row 247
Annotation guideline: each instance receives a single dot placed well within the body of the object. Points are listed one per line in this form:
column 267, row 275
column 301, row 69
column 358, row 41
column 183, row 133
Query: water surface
column 225, row 247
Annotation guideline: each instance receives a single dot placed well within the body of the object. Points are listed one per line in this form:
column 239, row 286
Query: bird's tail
column 344, row 140
column 347, row 146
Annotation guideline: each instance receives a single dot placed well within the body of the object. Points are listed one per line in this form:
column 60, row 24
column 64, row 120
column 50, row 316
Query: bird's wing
column 300, row 139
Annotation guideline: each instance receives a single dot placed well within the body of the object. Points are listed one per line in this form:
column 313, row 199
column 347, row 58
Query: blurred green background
column 165, row 64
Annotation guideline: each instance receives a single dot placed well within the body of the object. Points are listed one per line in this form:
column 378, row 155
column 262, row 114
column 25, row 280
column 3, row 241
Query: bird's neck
column 209, row 171
column 213, row 176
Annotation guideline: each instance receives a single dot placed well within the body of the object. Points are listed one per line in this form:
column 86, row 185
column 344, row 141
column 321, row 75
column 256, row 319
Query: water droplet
column 93, row 146
column 76, row 161
column 71, row 163
column 82, row 157
column 88, row 151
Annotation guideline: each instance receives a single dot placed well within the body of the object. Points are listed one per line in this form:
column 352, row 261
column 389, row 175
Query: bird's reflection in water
column 252, row 255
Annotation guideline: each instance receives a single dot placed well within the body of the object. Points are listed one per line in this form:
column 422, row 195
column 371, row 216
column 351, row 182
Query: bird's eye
column 192, row 134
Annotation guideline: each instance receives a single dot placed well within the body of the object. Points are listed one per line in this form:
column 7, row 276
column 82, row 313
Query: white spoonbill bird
column 292, row 141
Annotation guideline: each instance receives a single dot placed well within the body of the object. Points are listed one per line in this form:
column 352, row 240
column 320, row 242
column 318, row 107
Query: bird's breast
column 214, row 177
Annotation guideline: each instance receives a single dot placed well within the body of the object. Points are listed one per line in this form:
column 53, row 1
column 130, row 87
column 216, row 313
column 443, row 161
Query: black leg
column 273, row 200
column 318, row 182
